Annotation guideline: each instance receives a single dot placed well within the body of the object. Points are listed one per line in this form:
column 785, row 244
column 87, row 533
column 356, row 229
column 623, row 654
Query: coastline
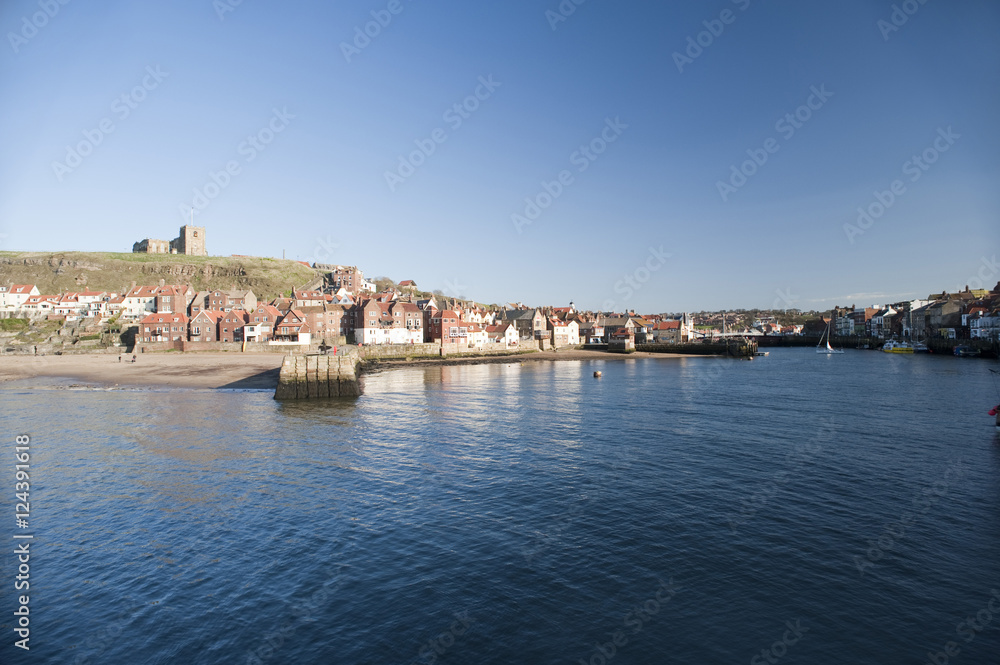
column 232, row 371
column 228, row 371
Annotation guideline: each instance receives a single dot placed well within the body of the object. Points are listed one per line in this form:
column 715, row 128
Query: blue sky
column 640, row 219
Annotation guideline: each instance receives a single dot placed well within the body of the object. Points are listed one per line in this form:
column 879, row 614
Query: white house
column 478, row 337
column 878, row 321
column 505, row 333
column 139, row 302
column 37, row 306
column 564, row 333
column 985, row 326
column 17, row 294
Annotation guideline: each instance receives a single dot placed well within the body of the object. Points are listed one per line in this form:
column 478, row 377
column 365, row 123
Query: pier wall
column 319, row 376
column 734, row 348
column 436, row 350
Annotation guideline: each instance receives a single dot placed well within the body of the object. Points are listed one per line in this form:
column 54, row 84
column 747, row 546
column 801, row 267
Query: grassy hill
column 55, row 272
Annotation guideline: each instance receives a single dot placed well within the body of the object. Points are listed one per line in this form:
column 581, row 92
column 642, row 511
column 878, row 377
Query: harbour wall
column 318, row 376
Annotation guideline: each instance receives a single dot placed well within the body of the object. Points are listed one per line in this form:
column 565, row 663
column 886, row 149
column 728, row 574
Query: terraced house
column 232, row 326
column 204, row 326
column 164, row 327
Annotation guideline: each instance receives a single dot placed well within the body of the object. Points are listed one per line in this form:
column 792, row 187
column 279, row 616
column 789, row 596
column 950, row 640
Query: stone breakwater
column 318, row 376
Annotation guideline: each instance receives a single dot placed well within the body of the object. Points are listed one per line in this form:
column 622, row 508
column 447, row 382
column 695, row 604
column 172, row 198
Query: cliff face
column 72, row 271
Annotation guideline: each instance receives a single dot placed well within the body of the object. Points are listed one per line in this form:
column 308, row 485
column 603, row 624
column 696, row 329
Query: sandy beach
column 223, row 370
column 169, row 370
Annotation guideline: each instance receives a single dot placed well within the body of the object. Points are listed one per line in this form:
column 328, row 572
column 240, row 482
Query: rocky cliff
column 73, row 271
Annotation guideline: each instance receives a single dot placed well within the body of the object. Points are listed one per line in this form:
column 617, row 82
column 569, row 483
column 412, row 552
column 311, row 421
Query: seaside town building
column 172, row 313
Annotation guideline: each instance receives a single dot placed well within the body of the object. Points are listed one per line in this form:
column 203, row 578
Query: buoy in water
column 597, row 375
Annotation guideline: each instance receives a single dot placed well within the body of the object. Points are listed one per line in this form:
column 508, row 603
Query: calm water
column 691, row 510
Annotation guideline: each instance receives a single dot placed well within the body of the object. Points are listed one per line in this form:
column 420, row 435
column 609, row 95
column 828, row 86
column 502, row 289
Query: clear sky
column 630, row 137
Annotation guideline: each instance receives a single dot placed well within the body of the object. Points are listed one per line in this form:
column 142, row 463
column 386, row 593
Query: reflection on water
column 542, row 501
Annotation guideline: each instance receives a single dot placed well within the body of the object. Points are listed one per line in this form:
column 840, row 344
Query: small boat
column 597, row 375
column 964, row 351
column 920, row 347
column 762, row 353
column 897, row 347
column 827, row 349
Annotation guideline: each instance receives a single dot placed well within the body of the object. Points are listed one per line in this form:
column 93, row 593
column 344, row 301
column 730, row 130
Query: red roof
column 165, row 317
column 213, row 314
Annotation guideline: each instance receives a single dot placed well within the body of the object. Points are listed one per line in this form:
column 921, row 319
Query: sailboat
column 826, row 334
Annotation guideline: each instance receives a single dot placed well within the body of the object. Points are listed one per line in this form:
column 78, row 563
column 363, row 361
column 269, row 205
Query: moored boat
column 920, row 347
column 826, row 334
column 964, row 351
column 897, row 347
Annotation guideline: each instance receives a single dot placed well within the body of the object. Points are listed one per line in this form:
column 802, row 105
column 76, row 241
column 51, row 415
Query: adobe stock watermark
column 455, row 115
column 896, row 531
column 325, row 249
column 581, row 158
column 967, row 630
column 303, row 611
column 99, row 640
column 441, row 643
column 562, row 13
column 122, row 108
column 223, row 7
column 795, row 461
column 713, row 30
column 779, row 648
column 363, row 35
column 633, row 621
column 785, row 300
column 982, row 279
column 915, row 168
column 38, row 20
column 542, row 541
column 252, row 146
column 901, row 13
column 454, row 288
column 632, row 282
column 786, row 126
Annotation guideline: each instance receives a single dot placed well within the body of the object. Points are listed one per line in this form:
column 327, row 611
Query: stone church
column 191, row 241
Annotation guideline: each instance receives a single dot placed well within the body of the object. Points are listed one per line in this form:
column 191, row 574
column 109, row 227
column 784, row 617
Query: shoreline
column 218, row 371
column 229, row 371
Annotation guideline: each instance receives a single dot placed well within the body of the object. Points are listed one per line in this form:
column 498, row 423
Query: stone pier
column 319, row 376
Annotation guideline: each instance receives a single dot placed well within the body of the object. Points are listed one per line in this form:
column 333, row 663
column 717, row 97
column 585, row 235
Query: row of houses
column 966, row 314
column 134, row 303
column 347, row 309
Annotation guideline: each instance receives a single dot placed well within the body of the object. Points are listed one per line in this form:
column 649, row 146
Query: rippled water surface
column 830, row 510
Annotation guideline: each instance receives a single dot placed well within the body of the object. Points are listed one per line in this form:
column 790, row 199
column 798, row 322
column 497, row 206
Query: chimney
column 162, row 282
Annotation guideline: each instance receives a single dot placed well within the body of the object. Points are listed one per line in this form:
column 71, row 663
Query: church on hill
column 191, row 241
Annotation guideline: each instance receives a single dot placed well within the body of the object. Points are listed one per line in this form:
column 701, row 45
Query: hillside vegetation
column 56, row 272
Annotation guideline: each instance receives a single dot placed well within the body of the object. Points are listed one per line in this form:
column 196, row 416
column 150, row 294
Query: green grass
column 13, row 325
column 58, row 272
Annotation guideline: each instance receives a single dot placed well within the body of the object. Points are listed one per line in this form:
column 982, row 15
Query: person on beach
column 133, row 357
column 119, row 357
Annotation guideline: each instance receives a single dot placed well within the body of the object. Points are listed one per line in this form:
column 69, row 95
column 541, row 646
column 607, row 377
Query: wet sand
column 167, row 370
